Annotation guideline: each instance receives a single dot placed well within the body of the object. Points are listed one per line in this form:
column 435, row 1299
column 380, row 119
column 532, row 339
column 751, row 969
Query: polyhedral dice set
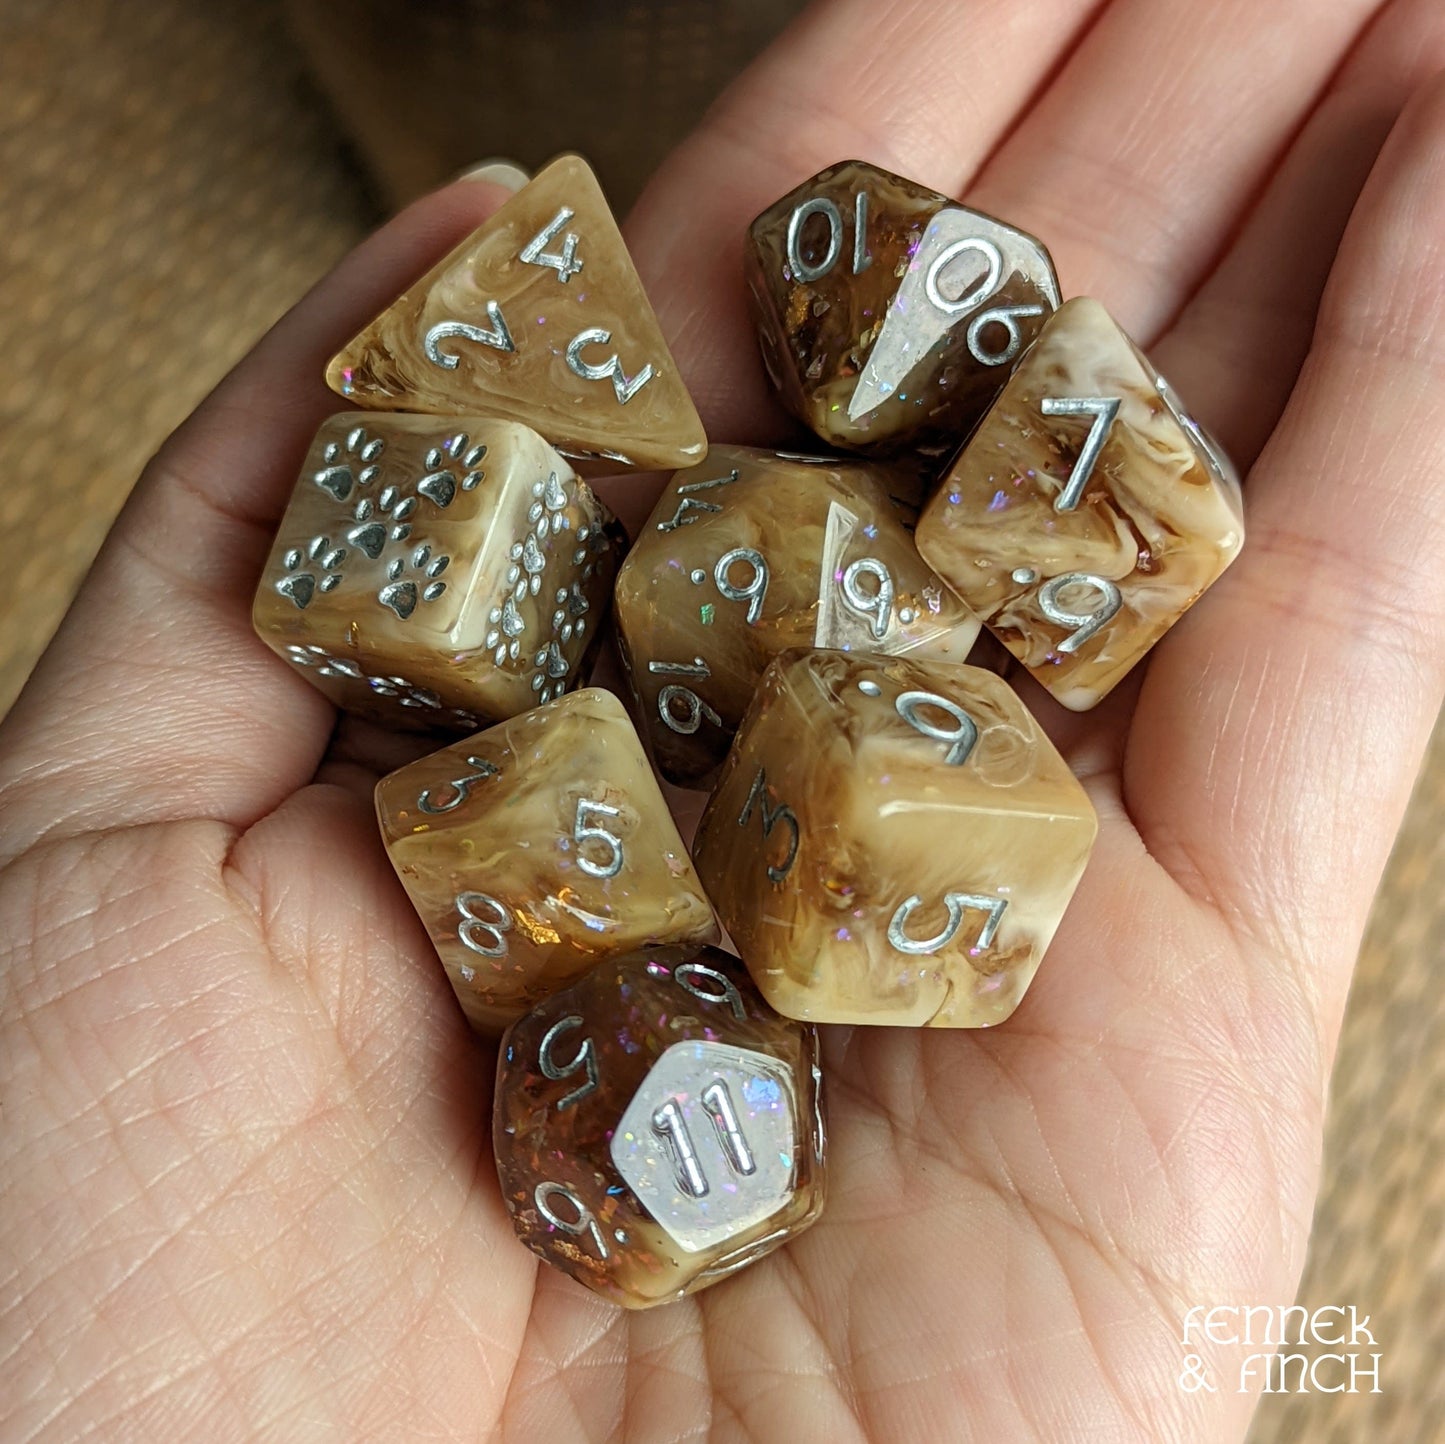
column 890, row 836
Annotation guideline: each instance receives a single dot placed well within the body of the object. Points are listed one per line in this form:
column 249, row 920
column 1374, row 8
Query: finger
column 156, row 669
column 1137, row 164
column 1274, row 747
column 913, row 86
column 1235, row 350
column 155, row 700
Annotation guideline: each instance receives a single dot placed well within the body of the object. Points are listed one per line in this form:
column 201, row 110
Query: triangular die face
column 512, row 323
column 993, row 273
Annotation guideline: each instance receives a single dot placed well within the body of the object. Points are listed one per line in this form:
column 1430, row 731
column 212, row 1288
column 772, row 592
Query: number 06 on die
column 889, row 315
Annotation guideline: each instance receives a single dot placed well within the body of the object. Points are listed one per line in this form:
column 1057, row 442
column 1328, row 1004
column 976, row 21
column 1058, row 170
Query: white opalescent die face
column 709, row 1142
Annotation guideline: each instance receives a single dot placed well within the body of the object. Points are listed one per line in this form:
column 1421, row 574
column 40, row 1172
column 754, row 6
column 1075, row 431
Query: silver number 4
column 535, row 253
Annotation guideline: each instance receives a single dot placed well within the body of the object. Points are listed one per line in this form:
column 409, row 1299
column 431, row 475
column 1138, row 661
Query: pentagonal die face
column 748, row 555
column 888, row 315
column 707, row 1143
column 658, row 1127
column 1087, row 513
column 892, row 842
column 537, row 849
column 437, row 572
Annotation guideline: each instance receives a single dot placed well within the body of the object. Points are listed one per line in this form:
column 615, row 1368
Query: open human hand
column 246, row 1187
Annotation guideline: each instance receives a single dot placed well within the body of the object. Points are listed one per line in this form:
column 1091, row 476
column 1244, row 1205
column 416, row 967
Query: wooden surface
column 170, row 182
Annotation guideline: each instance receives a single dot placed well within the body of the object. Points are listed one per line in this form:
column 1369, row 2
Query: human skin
column 245, row 1180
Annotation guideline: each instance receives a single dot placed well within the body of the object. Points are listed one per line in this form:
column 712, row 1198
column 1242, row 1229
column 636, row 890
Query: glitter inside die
column 538, row 848
column 658, row 1127
column 892, row 841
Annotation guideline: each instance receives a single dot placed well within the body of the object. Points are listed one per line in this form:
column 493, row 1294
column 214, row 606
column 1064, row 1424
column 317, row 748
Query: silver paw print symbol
column 349, row 464
column 408, row 694
column 402, row 593
column 568, row 621
column 550, row 678
column 589, row 542
column 322, row 571
column 551, row 499
column 453, row 466
column 546, row 514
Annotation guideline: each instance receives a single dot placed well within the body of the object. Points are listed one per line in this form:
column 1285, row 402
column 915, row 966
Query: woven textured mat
column 1379, row 1236
column 428, row 87
column 167, row 189
column 169, row 185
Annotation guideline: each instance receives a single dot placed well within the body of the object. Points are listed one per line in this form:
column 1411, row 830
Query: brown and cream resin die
column 538, row 316
column 750, row 554
column 1087, row 513
column 889, row 315
column 536, row 849
column 892, row 841
column 658, row 1127
column 437, row 571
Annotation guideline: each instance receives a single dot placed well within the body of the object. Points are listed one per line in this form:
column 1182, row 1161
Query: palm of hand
column 247, row 1178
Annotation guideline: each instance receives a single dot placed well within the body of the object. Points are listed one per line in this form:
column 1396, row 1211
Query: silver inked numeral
column 689, row 507
column 499, row 338
column 710, row 1140
column 961, row 737
column 584, row 1060
column 957, row 903
column 861, row 259
column 680, row 708
column 993, row 276
column 718, row 1103
column 458, row 788
column 876, row 605
column 545, row 1195
column 801, row 270
column 771, row 817
column 584, row 831
column 484, row 935
column 1108, row 601
column 1007, row 317
column 754, row 590
column 625, row 387
column 1223, row 468
column 1105, row 411
column 670, row 1126
column 720, row 988
column 534, row 253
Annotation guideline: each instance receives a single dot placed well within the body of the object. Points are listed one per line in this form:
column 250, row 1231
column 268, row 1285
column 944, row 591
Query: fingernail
column 499, row 171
